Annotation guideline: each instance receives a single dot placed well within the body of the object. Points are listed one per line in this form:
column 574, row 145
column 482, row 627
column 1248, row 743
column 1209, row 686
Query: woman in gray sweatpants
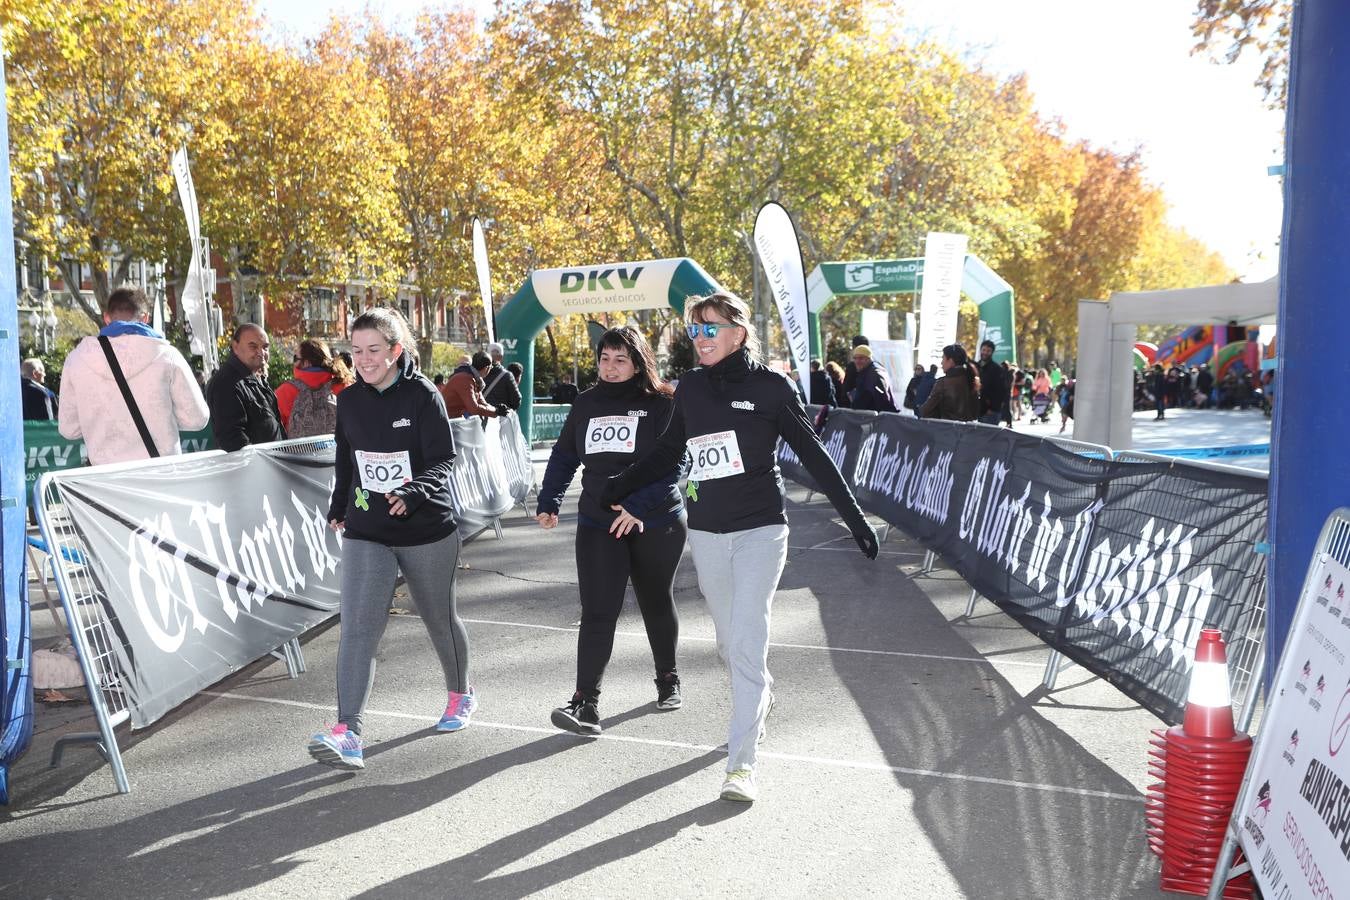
column 729, row 414
column 391, row 501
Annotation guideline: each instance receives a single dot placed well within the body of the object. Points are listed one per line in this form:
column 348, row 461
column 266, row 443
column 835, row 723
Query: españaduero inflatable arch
column 610, row 287
column 865, row 277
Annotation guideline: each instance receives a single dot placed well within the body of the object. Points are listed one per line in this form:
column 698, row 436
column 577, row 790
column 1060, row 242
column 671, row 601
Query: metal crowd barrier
column 92, row 630
column 1246, row 648
column 1055, row 661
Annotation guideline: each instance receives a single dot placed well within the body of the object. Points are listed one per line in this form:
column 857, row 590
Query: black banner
column 843, row 437
column 1115, row 564
column 205, row 562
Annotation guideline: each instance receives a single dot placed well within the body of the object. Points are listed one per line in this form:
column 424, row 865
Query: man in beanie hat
column 872, row 387
column 851, row 370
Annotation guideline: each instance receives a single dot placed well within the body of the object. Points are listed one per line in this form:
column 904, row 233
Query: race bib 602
column 383, row 472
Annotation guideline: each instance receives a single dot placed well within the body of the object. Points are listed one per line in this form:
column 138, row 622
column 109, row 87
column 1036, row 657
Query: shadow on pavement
column 204, row 848
column 965, row 718
column 471, row 873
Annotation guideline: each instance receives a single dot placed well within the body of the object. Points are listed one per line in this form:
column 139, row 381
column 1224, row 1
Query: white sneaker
column 740, row 786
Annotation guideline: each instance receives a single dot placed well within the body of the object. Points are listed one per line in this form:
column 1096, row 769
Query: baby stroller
column 1040, row 407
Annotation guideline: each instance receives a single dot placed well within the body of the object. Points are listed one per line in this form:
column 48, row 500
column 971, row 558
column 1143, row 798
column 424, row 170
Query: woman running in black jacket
column 607, row 427
column 729, row 415
column 391, row 500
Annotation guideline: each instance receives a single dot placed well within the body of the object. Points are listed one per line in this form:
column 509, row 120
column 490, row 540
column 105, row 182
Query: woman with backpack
column 308, row 401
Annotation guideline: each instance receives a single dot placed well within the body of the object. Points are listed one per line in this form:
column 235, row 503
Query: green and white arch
column 611, row 287
column 862, row 277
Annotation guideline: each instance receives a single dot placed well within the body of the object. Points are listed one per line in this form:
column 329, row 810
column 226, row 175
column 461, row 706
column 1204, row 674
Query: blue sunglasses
column 709, row 329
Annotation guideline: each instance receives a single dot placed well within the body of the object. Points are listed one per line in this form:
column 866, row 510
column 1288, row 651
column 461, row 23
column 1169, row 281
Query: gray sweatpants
column 738, row 574
column 369, row 572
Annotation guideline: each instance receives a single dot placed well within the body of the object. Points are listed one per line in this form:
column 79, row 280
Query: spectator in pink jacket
column 161, row 383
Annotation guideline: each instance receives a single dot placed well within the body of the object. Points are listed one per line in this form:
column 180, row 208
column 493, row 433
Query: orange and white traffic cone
column 1209, row 702
column 1200, row 765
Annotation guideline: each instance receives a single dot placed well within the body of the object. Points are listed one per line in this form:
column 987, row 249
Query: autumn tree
column 1228, row 29
column 296, row 167
column 701, row 110
column 101, row 93
column 440, row 117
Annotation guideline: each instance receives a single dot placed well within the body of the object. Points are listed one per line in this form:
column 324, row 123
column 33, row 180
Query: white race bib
column 383, row 472
column 715, row 455
column 611, row 434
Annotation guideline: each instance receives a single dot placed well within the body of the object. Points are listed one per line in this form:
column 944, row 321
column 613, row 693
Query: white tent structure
column 1104, row 396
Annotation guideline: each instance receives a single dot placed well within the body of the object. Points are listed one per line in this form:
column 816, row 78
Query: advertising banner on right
column 1293, row 817
column 1117, row 565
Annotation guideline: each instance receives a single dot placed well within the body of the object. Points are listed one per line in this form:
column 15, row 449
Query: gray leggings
column 369, row 571
column 738, row 574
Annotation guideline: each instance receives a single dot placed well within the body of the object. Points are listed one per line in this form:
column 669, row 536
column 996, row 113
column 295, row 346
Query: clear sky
column 1120, row 75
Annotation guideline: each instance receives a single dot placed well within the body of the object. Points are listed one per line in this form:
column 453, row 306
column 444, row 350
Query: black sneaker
column 668, row 692
column 580, row 716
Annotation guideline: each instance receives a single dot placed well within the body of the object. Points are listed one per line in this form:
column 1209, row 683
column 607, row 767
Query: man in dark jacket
column 500, row 388
column 1204, row 383
column 912, row 390
column 39, row 403
column 822, row 388
column 243, row 408
column 993, row 386
column 924, row 388
column 872, row 388
column 463, row 393
column 851, row 370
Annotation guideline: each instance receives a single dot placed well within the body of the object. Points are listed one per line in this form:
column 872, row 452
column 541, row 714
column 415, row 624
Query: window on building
column 37, row 272
column 320, row 311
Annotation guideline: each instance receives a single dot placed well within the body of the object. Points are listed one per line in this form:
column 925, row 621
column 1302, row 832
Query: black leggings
column 604, row 566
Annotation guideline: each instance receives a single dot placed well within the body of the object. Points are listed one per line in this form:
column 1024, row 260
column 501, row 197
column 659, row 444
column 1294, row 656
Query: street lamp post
column 35, row 329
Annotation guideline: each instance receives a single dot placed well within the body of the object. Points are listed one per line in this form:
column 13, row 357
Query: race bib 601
column 716, row 455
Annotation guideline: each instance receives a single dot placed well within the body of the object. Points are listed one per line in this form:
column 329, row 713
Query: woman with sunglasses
column 729, row 415
column 605, row 429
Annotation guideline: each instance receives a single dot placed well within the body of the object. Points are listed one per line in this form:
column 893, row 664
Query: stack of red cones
column 1199, row 766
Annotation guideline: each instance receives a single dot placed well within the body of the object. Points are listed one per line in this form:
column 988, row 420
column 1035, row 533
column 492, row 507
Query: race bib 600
column 611, row 434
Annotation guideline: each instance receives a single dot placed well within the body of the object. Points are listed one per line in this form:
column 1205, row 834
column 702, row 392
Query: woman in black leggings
column 608, row 427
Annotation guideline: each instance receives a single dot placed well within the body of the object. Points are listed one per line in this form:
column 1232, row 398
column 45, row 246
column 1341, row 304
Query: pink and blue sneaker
column 457, row 711
column 340, row 748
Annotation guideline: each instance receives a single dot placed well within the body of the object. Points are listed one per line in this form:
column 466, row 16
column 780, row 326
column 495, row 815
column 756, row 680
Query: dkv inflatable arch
column 612, row 287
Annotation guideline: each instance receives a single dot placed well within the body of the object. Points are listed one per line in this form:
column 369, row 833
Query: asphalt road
column 912, row 753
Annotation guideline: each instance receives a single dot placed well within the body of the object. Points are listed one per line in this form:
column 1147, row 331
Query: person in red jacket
column 464, row 391
column 318, row 378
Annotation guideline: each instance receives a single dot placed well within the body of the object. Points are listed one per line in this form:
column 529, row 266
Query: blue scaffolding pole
column 1308, row 477
column 16, row 687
